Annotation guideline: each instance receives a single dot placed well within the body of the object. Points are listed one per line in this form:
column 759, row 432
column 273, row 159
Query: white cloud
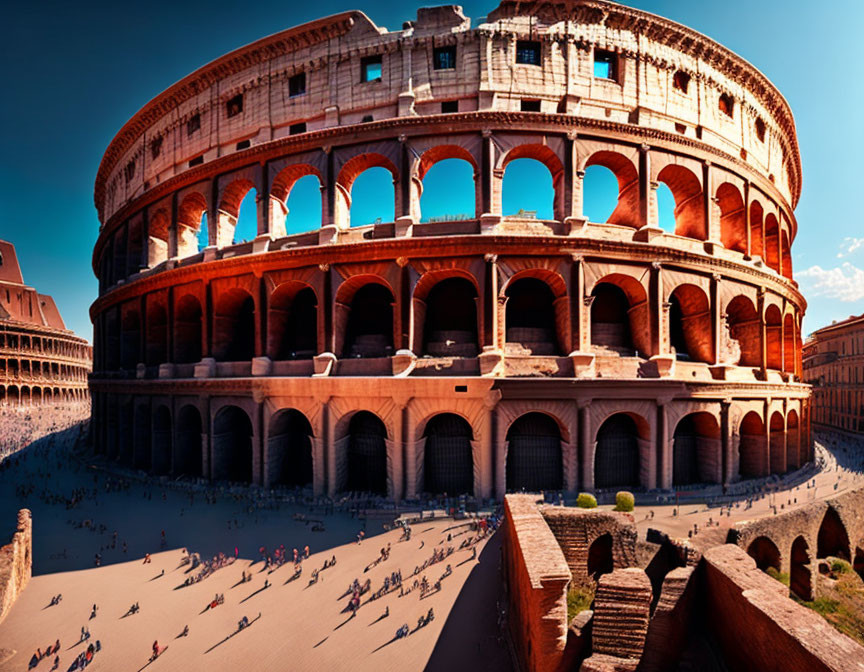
column 844, row 282
column 849, row 245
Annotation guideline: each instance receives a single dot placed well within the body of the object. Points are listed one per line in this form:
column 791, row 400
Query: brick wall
column 16, row 562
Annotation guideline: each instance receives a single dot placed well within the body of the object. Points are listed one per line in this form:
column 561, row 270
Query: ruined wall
column 537, row 580
column 759, row 628
column 16, row 562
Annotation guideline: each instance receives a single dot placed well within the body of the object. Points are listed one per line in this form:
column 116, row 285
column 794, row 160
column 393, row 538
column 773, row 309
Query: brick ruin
column 16, row 562
column 656, row 606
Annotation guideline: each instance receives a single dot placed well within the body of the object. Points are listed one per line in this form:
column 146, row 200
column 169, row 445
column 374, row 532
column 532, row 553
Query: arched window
column 247, row 218
column 616, row 457
column 696, row 450
column 773, row 336
column 527, row 190
column 772, row 242
column 833, row 539
column 733, row 220
column 687, row 192
column 751, row 447
column 289, row 449
column 621, row 195
column 530, row 317
column 756, row 246
column 191, row 225
column 448, row 191
column 369, row 332
column 373, row 197
column 600, row 193
column 293, row 322
column 794, row 459
column 746, row 329
column 765, row 553
column 690, row 332
column 448, row 464
column 534, row 461
column 303, row 205
column 234, row 326
column 232, row 445
column 610, row 322
column 450, row 321
column 367, row 454
column 665, row 208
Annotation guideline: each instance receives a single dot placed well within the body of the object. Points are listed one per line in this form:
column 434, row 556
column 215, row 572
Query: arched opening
column 448, row 187
column 527, row 190
column 611, row 198
column 303, row 206
column 765, row 553
column 367, row 454
column 733, row 219
column 157, row 239
column 785, row 256
column 373, row 197
column 246, row 228
column 799, row 569
column 772, row 242
column 187, row 330
column 600, row 559
column 156, row 348
column 793, row 449
column 191, row 221
column 141, row 443
column 130, row 339
column 751, row 447
column 161, row 437
column 773, row 337
column 789, row 341
column 534, row 460
column 13, row 395
column 530, row 317
column 610, row 319
column 450, row 321
column 687, row 192
column 616, row 453
column 757, row 248
column 833, row 540
column 289, row 449
column 293, row 322
column 37, row 396
column 696, row 450
column 187, row 448
column 665, row 208
column 234, row 326
column 690, row 332
column 858, row 562
column 232, row 445
column 369, row 332
column 448, row 462
column 746, row 329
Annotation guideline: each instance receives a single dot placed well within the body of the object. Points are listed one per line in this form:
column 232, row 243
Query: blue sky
column 75, row 72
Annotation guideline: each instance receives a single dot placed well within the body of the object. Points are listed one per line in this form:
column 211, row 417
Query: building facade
column 834, row 365
column 41, row 361
column 481, row 355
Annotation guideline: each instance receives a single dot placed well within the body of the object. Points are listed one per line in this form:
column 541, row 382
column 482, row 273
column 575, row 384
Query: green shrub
column 839, row 566
column 624, row 501
column 586, row 501
column 774, row 573
column 579, row 598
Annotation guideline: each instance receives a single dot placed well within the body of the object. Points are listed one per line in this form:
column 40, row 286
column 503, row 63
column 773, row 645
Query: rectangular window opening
column 461, row 388
column 294, row 129
column 528, row 52
column 449, row 106
column 370, row 68
column 197, row 161
column 193, row 124
column 244, row 144
column 130, row 170
column 605, row 65
column 444, row 58
column 234, row 106
column 297, row 85
column 156, row 147
column 530, row 105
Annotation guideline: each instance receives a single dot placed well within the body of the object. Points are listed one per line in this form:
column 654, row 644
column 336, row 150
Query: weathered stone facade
column 647, row 359
column 16, row 563
column 41, row 362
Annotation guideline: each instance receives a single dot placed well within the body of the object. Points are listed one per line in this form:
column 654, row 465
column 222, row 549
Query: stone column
column 659, row 311
column 330, row 449
column 500, row 447
column 763, row 332
column 665, row 452
column 716, row 317
column 645, row 187
column 747, row 219
column 262, row 201
column 571, row 478
column 488, row 453
column 487, row 163
column 172, row 229
column 726, row 460
column 410, row 464
column 580, row 341
column 586, row 448
column 712, row 223
column 395, row 449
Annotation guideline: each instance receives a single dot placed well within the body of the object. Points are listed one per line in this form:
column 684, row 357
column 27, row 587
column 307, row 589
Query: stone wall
column 16, row 562
column 759, row 628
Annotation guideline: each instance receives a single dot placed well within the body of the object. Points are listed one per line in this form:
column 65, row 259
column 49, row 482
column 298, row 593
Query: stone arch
column 751, row 446
column 793, row 448
column 13, row 395
column 448, row 459
column 619, row 444
column 447, row 316
column 785, row 255
column 234, row 326
column 687, row 192
column 37, row 396
column 158, row 231
column 229, row 209
column 292, row 322
column 162, row 444
column 733, row 217
column 156, row 334
column 696, row 450
column 280, row 191
column 600, row 559
column 289, row 449
column 534, row 456
column 350, row 171
column 534, row 311
column 765, row 552
column 435, row 155
column 619, row 315
column 365, row 315
column 690, row 332
column 777, row 443
column 190, row 215
column 130, row 337
column 773, row 337
column 187, row 330
column 789, row 343
column 745, row 327
column 366, row 454
column 833, row 539
column 545, row 155
column 772, row 242
column 626, row 212
column 232, row 445
column 800, row 570
column 757, row 247
column 188, row 442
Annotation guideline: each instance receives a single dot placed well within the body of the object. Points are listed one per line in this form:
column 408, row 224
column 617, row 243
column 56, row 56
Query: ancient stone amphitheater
column 477, row 355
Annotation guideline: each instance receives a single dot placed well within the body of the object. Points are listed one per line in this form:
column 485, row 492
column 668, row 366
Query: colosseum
column 41, row 361
column 498, row 352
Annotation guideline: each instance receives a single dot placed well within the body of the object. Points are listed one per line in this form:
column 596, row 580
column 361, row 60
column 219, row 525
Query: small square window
column 366, row 119
column 130, row 170
column 234, row 106
column 370, row 69
column 449, row 106
column 297, row 85
column 197, row 161
column 444, row 58
column 605, row 65
column 530, row 105
column 156, row 147
column 527, row 52
column 294, row 129
column 193, row 124
column 681, row 81
column 244, row 144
